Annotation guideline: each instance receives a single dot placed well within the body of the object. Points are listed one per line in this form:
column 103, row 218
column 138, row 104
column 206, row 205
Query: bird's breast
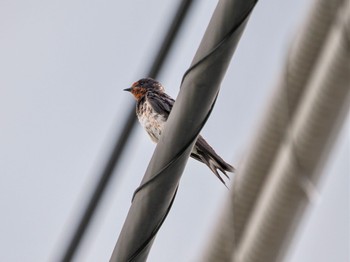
column 151, row 121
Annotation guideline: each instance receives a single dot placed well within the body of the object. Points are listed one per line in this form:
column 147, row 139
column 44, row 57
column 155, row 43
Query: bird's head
column 141, row 87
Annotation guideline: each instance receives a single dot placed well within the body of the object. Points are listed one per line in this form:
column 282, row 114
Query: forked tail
column 204, row 153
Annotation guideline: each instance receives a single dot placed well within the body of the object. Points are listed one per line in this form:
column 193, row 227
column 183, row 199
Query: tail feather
column 204, row 153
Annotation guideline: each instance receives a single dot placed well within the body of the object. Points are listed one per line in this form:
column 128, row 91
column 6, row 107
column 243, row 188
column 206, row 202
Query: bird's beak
column 128, row 89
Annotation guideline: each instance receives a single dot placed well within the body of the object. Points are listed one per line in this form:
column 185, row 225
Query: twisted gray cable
column 193, row 105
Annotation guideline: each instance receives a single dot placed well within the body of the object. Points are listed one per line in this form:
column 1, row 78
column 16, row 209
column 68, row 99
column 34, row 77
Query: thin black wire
column 182, row 151
column 123, row 138
column 155, row 231
column 222, row 42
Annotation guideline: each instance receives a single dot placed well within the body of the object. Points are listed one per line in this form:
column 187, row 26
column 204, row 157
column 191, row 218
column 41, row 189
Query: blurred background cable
column 294, row 177
column 292, row 83
column 280, row 173
column 123, row 138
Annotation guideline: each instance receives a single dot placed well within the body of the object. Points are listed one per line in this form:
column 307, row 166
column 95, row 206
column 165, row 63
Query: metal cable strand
column 153, row 180
column 123, row 137
column 191, row 109
column 317, row 123
column 190, row 141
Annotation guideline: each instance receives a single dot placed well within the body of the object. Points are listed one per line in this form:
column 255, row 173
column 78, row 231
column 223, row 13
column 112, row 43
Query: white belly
column 152, row 122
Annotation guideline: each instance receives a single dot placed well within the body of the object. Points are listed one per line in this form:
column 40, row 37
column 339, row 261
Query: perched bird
column 153, row 108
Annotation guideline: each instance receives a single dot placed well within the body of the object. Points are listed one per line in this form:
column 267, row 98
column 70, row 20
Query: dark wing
column 160, row 102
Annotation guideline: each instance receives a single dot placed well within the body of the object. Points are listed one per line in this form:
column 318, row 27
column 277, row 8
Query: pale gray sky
column 63, row 66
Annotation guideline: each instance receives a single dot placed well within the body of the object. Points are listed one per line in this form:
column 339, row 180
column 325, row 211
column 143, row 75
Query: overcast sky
column 63, row 66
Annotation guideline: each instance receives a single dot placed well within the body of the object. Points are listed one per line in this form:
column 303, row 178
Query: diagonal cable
column 123, row 138
column 302, row 57
column 193, row 105
column 306, row 147
column 251, row 177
